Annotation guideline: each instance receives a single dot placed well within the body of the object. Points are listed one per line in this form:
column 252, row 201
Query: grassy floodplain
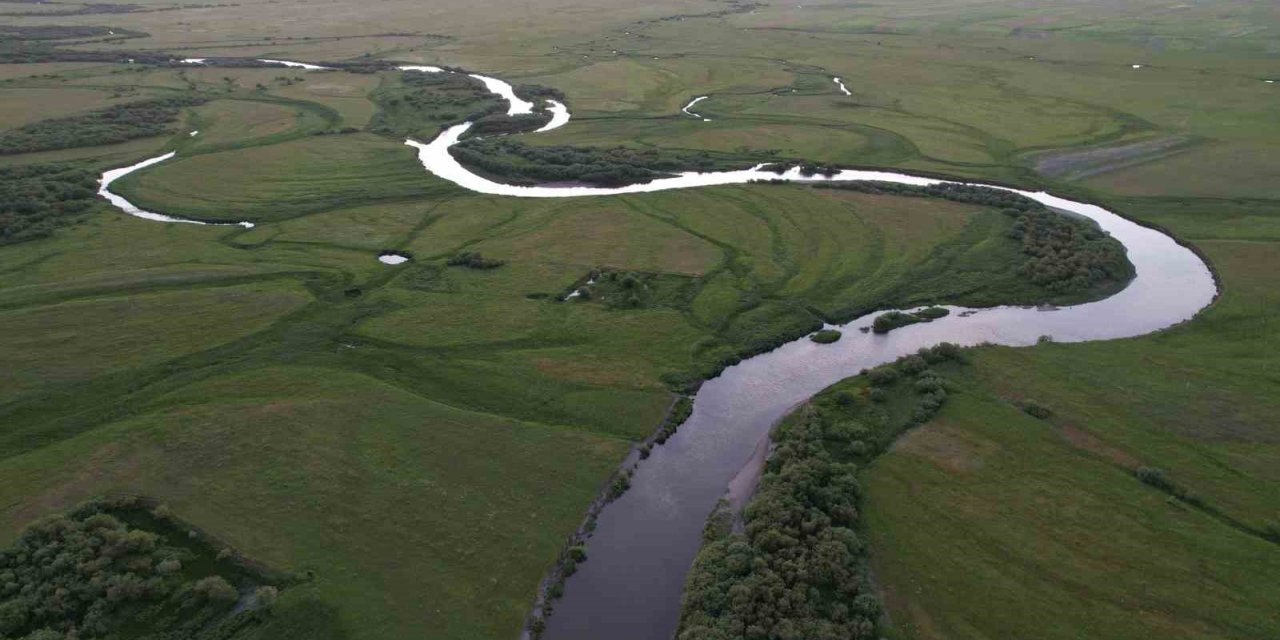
column 422, row 438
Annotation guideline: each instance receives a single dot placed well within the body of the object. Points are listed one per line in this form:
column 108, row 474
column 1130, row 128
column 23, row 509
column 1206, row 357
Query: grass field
column 424, row 437
column 316, row 337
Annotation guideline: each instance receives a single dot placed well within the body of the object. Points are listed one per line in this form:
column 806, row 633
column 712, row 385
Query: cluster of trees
column 972, row 194
column 826, row 336
column 807, row 169
column 798, row 570
column 680, row 412
column 98, row 573
column 19, row 52
column 103, row 126
column 532, row 91
column 473, row 260
column 503, row 124
column 85, row 9
column 609, row 167
column 424, row 102
column 886, row 322
column 46, row 43
column 63, row 32
column 636, row 289
column 1066, row 255
column 35, row 199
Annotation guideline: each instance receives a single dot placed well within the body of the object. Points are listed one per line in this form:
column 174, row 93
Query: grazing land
column 414, row 443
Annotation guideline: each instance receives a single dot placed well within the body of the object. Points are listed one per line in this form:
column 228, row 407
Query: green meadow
column 416, row 442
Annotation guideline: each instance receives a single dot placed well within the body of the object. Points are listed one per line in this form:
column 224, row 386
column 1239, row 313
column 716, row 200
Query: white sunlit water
column 840, row 84
column 517, row 105
column 295, row 65
column 420, row 67
column 559, row 116
column 128, row 207
column 688, row 108
column 393, row 258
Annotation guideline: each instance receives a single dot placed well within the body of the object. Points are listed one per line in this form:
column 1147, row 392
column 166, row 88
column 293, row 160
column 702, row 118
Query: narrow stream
column 644, row 542
column 687, row 109
column 128, row 207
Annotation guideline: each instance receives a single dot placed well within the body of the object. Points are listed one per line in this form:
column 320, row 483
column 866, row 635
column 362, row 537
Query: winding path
column 645, row 541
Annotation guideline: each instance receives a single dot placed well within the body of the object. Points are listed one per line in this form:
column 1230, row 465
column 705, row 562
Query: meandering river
column 644, row 542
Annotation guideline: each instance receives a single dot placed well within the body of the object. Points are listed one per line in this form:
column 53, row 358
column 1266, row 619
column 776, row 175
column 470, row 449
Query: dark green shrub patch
column 973, row 194
column 635, row 289
column 679, row 413
column 35, row 199
column 118, row 569
column 501, row 123
column 826, row 336
column 621, row 482
column 1066, row 254
column 1036, row 410
column 886, row 322
column 421, row 103
column 536, row 91
column 110, row 125
column 798, row 569
column 473, row 260
column 514, row 160
column 11, row 32
column 810, row 169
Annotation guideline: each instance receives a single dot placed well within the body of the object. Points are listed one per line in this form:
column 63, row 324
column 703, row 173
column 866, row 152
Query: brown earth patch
column 947, row 446
column 1082, row 439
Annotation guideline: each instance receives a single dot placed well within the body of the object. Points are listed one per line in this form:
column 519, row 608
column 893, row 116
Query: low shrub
column 473, row 260
column 886, row 322
column 118, row 123
column 826, row 336
column 36, row 199
column 1036, row 410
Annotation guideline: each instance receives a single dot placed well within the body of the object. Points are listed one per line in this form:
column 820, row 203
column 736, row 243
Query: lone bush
column 215, row 589
column 826, row 336
column 1036, row 410
column 473, row 260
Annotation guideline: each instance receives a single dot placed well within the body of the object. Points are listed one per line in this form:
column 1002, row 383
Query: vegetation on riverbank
column 36, row 199
column 517, row 162
column 125, row 569
column 1064, row 254
column 418, row 104
column 110, row 125
column 826, row 336
column 798, row 569
column 886, row 322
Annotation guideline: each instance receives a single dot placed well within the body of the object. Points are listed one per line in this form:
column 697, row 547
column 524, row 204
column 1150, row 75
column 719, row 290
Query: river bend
column 645, row 541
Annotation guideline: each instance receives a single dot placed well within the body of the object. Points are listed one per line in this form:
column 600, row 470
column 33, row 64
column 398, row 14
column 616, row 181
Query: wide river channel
column 645, row 542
